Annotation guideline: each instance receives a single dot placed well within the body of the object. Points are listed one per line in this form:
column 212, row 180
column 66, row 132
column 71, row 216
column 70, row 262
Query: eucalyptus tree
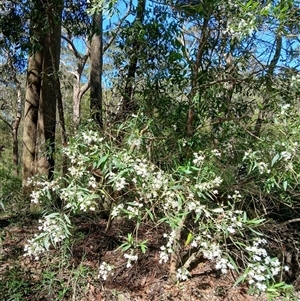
column 42, row 89
column 77, row 28
column 96, row 56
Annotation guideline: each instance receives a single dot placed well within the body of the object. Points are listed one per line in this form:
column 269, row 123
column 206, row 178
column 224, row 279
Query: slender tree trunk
column 129, row 104
column 269, row 89
column 76, row 100
column 15, row 128
column 96, row 54
column 195, row 77
column 16, row 123
column 78, row 90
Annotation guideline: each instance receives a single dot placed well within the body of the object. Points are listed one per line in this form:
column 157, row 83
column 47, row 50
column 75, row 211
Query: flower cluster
column 213, row 252
column 216, row 153
column 105, row 270
column 254, row 157
column 168, row 248
column 79, row 198
column 133, row 209
column 116, row 210
column 41, row 188
column 53, row 229
column 261, row 267
column 130, row 257
column 198, row 158
column 182, row 274
column 34, row 248
column 207, row 186
column 90, row 137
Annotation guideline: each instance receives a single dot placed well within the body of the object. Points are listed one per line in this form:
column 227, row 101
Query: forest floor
column 71, row 273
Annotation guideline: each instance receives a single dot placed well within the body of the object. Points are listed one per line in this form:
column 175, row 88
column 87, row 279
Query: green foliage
column 218, row 69
column 10, row 190
column 197, row 211
column 14, row 286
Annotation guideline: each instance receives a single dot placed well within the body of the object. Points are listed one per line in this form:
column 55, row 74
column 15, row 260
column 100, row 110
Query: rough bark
column 48, row 97
column 31, row 107
column 96, row 54
column 42, row 91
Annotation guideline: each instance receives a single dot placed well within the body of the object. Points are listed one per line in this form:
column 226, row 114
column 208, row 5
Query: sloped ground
column 71, row 273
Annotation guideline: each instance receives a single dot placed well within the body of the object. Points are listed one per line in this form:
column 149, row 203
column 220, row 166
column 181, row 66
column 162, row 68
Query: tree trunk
column 129, row 104
column 195, row 77
column 15, row 128
column 49, row 93
column 96, row 54
column 269, row 89
column 31, row 108
column 78, row 90
column 42, row 90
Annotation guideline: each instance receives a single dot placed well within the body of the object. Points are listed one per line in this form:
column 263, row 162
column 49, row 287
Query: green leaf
column 255, row 221
column 241, row 278
column 275, row 159
column 254, row 231
column 285, row 184
column 101, row 161
column 150, row 214
column 245, row 219
column 189, row 239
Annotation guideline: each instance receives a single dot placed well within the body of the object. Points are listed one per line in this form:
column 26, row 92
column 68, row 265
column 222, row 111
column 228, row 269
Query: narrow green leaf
column 275, row 159
column 150, row 214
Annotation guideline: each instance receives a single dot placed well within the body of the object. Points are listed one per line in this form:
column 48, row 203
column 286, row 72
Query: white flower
column 105, row 270
column 230, row 229
column 216, row 153
column 130, row 258
column 182, row 274
column 120, row 183
column 116, row 210
column 286, row 155
column 261, row 286
column 136, row 142
column 163, row 255
column 34, row 196
column 198, row 158
column 218, row 210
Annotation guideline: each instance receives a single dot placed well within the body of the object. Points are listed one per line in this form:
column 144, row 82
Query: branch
column 278, row 46
column 294, row 220
column 226, row 80
column 84, row 89
column 72, row 47
column 108, row 44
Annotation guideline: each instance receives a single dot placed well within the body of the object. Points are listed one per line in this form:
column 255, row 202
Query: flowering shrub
column 185, row 200
column 54, row 229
